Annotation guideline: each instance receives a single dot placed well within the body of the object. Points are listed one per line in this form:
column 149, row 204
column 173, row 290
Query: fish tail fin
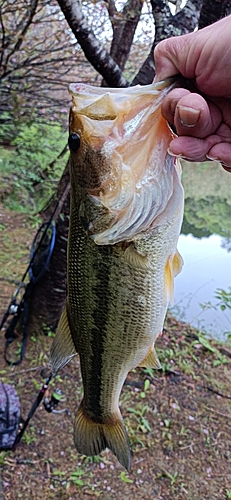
column 91, row 437
column 62, row 348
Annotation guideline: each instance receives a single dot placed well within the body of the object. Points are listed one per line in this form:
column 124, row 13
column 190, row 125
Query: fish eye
column 74, row 142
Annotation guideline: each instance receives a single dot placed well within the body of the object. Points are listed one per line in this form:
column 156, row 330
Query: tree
column 168, row 18
column 37, row 60
column 111, row 64
column 46, row 44
column 195, row 13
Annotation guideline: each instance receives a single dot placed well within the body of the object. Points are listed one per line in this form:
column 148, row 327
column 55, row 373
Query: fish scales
column 109, row 307
column 125, row 218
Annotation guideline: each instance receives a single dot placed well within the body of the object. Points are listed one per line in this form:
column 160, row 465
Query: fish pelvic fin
column 177, row 263
column 62, row 348
column 91, row 437
column 151, row 360
column 172, row 269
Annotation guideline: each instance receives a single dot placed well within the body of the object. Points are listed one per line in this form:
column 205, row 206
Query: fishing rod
column 50, row 406
column 40, row 255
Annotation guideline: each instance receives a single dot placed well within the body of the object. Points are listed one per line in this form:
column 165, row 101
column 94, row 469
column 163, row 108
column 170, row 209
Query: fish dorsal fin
column 63, row 348
column 151, row 360
column 172, row 268
column 135, row 259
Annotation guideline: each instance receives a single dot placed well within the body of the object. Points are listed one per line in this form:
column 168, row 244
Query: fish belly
column 116, row 311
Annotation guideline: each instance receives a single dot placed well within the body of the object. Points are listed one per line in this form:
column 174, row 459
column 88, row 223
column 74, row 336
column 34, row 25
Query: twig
column 10, row 280
column 222, row 349
column 219, row 413
column 225, row 350
column 220, row 475
column 217, row 392
column 2, row 496
column 25, row 371
column 187, row 446
column 171, row 372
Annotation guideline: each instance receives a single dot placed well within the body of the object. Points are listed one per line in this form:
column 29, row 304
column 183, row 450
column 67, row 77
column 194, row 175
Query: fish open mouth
column 122, row 162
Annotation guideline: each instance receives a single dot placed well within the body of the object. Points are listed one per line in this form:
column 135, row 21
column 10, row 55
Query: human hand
column 202, row 123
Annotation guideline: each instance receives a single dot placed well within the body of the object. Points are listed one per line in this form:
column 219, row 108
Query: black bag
column 9, row 416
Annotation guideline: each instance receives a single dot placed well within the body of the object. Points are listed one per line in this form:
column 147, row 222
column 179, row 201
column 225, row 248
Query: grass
column 178, row 418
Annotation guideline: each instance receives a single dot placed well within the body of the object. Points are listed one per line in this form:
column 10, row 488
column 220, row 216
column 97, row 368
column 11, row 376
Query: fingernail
column 173, row 106
column 175, row 156
column 180, row 156
column 226, row 166
column 188, row 116
column 170, row 152
column 212, row 159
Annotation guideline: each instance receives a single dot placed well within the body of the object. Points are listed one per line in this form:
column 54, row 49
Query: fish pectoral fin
column 135, row 259
column 172, row 268
column 62, row 348
column 91, row 437
column 151, row 360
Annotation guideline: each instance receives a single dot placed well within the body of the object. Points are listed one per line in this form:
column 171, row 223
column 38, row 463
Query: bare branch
column 167, row 25
column 23, row 27
column 111, row 10
column 3, row 37
column 124, row 30
column 95, row 53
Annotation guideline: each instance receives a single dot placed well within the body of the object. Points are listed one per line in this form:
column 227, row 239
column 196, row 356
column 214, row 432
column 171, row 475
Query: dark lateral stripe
column 98, row 334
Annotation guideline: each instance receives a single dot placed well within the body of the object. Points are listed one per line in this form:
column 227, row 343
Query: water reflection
column 205, row 245
column 207, row 267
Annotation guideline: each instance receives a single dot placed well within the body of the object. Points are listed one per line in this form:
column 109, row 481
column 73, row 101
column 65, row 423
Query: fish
column 125, row 219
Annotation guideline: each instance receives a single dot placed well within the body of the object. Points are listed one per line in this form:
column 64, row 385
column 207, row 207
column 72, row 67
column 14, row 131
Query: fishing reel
column 51, row 404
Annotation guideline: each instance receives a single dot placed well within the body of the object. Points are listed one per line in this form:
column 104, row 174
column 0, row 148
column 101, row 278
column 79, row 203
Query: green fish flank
column 125, row 219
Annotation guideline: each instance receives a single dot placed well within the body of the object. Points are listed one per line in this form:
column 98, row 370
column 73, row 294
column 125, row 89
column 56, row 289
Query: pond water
column 207, row 267
column 205, row 245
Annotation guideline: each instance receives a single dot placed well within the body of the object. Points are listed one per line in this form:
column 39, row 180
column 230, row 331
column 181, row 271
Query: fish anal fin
column 62, row 348
column 169, row 282
column 91, row 437
column 135, row 259
column 151, row 360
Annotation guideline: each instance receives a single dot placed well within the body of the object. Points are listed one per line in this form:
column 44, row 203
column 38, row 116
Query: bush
column 27, row 156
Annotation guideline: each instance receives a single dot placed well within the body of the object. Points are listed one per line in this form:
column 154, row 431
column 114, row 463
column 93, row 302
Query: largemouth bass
column 125, row 219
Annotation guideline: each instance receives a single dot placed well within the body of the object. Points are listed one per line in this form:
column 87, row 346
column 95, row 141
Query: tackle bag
column 9, row 416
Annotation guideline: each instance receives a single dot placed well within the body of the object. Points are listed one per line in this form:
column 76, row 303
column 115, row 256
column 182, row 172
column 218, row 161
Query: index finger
column 171, row 57
column 164, row 66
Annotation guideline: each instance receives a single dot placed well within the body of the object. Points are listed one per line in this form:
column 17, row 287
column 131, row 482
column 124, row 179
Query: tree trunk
column 213, row 11
column 167, row 25
column 49, row 293
column 92, row 48
column 124, row 31
column 124, row 28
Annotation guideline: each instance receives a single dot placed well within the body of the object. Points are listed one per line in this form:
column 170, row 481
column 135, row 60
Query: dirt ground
column 178, row 418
